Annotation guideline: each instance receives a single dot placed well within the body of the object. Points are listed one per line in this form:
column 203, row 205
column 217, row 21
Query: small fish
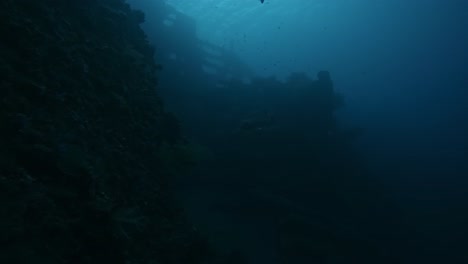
column 261, row 1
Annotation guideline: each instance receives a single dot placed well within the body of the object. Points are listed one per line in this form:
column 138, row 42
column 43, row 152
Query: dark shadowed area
column 233, row 131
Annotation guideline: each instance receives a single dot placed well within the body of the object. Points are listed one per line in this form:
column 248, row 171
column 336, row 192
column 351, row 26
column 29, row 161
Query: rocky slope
column 86, row 146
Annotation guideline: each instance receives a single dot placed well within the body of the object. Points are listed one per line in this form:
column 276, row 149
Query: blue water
column 402, row 67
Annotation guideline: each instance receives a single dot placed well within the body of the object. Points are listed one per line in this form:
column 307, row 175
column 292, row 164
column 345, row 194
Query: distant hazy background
column 402, row 66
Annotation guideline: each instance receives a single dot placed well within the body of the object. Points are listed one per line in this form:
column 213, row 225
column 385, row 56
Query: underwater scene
column 233, row 132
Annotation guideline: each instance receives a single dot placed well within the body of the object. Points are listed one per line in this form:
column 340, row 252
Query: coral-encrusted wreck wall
column 86, row 146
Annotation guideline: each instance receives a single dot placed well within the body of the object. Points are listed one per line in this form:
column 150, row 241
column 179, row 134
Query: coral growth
column 81, row 178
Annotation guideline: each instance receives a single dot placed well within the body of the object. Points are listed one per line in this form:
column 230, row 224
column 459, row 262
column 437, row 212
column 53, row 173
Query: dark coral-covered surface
column 86, row 146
